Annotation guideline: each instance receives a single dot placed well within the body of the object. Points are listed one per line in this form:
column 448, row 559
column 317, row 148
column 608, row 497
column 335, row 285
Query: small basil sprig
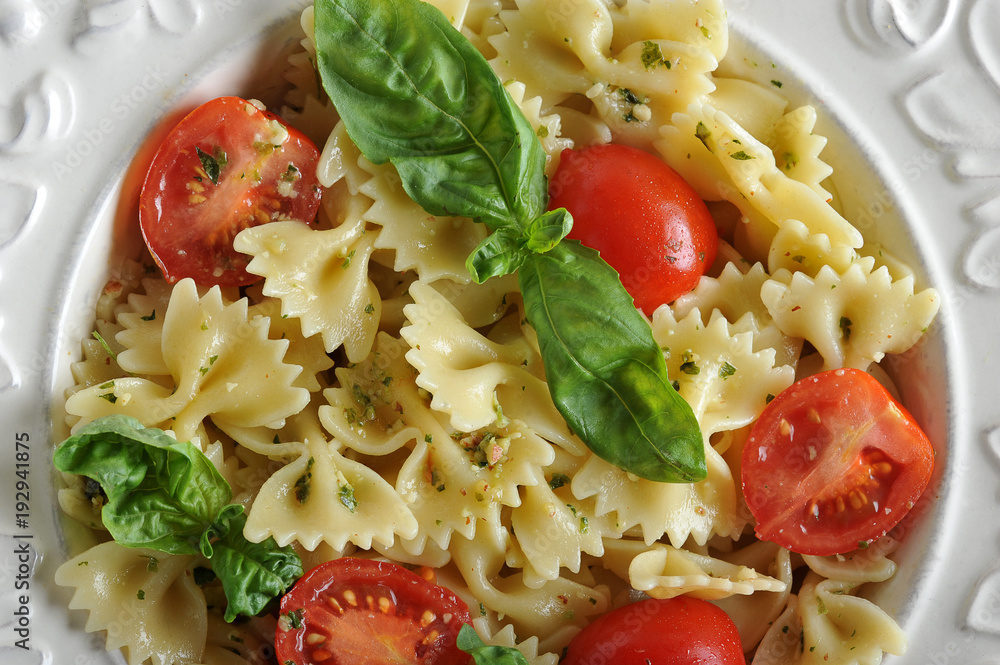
column 413, row 91
column 470, row 642
column 165, row 494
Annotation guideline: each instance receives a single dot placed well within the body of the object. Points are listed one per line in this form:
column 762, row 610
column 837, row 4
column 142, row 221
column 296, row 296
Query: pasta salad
column 380, row 387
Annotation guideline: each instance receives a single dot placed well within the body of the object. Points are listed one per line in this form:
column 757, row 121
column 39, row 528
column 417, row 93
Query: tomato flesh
column 675, row 631
column 357, row 611
column 833, row 463
column 641, row 215
column 224, row 167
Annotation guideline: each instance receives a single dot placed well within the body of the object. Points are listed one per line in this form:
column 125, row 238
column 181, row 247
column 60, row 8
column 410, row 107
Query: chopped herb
column 631, row 97
column 862, row 544
column 558, row 480
column 151, row 317
column 652, row 56
column 689, row 366
column 767, row 400
column 542, row 131
column 346, row 496
column 141, row 595
column 303, row 484
column 776, row 83
column 104, row 344
column 203, row 575
column 347, row 260
column 726, row 371
column 213, row 164
column 291, row 174
column 291, row 620
column 845, row 328
column 428, row 438
column 584, row 524
column 369, row 308
column 702, row 133
column 741, row 155
column 152, row 564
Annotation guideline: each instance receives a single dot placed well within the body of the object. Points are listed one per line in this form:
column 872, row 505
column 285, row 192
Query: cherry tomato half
column 641, row 215
column 832, row 463
column 357, row 611
column 226, row 166
column 675, row 631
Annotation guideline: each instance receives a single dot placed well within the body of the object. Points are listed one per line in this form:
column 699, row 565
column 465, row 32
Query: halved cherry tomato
column 674, row 631
column 832, row 463
column 641, row 215
column 357, row 611
column 226, row 166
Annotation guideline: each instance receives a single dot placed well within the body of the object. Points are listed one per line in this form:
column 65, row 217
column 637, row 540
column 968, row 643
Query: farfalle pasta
column 368, row 398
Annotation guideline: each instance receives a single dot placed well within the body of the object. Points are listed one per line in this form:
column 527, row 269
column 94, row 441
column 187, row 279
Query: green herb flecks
column 414, row 92
column 212, row 164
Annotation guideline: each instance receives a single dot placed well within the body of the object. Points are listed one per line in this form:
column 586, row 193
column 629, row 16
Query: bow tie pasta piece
column 506, row 637
column 736, row 295
column 434, row 247
column 723, row 161
column 854, row 318
column 306, row 352
column 756, row 613
column 838, row 627
column 223, row 365
column 325, row 497
column 458, row 483
column 662, row 571
column 321, row 277
column 546, row 610
column 638, row 63
column 553, row 533
column 473, row 379
column 146, row 601
column 717, row 371
column 142, row 323
column 680, row 511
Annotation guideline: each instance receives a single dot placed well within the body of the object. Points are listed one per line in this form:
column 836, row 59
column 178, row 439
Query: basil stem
column 411, row 90
column 167, row 495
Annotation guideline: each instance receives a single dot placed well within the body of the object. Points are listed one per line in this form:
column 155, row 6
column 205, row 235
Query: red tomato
column 217, row 173
column 357, row 611
column 643, row 218
column 676, row 631
column 832, row 463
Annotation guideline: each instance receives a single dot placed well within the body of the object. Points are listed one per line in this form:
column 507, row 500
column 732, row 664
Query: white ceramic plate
column 909, row 91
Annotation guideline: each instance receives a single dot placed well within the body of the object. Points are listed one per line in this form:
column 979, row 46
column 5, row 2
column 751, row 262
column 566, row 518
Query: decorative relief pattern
column 128, row 21
column 43, row 111
column 901, row 25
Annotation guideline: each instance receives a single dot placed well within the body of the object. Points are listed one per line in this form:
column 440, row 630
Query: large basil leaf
column 412, row 90
column 168, row 496
column 606, row 373
column 162, row 493
column 252, row 574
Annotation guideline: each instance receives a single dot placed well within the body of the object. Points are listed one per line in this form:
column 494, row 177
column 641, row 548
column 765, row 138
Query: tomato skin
column 352, row 611
column 675, row 631
column 189, row 215
column 833, row 462
column 641, row 215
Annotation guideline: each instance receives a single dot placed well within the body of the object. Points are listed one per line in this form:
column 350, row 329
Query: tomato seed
column 321, row 655
column 335, row 605
column 431, row 637
column 427, row 618
column 351, row 598
column 385, row 605
column 312, row 639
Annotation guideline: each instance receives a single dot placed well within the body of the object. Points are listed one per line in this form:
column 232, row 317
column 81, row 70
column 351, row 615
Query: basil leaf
column 606, row 373
column 470, row 642
column 412, row 90
column 162, row 493
column 252, row 574
column 545, row 231
column 168, row 496
column 503, row 251
column 500, row 253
